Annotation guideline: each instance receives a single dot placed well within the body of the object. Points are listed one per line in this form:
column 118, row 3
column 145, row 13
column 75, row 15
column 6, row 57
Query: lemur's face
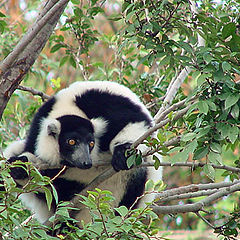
column 75, row 148
column 76, row 141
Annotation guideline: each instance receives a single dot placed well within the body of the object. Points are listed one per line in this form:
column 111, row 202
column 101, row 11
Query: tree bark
column 14, row 67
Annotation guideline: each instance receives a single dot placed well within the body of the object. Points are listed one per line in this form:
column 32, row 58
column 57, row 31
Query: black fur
column 67, row 189
column 117, row 110
column 119, row 157
column 135, row 188
column 18, row 172
column 42, row 113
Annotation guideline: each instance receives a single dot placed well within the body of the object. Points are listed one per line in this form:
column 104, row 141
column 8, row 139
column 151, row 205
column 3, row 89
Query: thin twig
column 205, row 220
column 188, row 195
column 59, row 173
column 34, row 92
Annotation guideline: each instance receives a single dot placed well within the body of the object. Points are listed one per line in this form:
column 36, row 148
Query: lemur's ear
column 53, row 128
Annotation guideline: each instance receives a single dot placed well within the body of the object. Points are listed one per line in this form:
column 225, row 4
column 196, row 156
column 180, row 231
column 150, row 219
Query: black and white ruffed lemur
column 82, row 125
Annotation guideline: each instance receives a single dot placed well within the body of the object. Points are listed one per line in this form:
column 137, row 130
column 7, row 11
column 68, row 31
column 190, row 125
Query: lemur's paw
column 119, row 159
column 18, row 172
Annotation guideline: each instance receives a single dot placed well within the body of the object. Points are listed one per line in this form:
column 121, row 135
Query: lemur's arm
column 14, row 152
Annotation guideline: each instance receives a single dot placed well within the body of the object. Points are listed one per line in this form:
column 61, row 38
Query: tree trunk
column 14, row 67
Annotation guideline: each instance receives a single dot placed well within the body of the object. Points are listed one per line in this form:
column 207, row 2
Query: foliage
column 128, row 224
column 11, row 210
column 144, row 45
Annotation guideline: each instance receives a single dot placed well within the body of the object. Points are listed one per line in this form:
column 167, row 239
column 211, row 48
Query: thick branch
column 194, row 165
column 188, row 195
column 14, row 67
column 30, row 35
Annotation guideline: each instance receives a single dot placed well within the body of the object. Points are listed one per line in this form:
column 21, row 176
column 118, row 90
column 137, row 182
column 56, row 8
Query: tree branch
column 178, row 115
column 205, row 220
column 14, row 67
column 198, row 206
column 194, row 165
column 30, row 35
column 34, row 92
column 195, row 189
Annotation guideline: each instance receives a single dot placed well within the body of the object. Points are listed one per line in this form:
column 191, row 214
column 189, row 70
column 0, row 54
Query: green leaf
column 209, row 171
column 78, row 12
column 203, row 107
column 188, row 137
column 131, row 161
column 75, row 1
column 233, row 133
column 48, row 196
column 122, row 210
column 200, row 153
column 180, row 157
column 129, row 15
column 56, row 47
column 231, row 100
column 215, row 158
column 196, row 74
column 54, row 191
column 203, row 131
column 2, row 15
column 3, row 24
column 207, row 57
column 235, row 112
column 201, row 79
column 226, row 66
column 190, row 148
column 63, row 61
column 72, row 61
column 149, row 185
column 156, row 162
column 165, row 60
column 223, row 129
column 216, row 147
column 228, row 30
column 212, row 105
column 115, row 17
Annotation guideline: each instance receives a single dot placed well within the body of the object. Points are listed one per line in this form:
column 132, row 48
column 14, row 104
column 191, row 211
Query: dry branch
column 198, row 206
column 193, row 190
column 34, row 92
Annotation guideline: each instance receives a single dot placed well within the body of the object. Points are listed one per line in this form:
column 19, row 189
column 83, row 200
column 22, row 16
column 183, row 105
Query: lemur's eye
column 91, row 144
column 71, row 142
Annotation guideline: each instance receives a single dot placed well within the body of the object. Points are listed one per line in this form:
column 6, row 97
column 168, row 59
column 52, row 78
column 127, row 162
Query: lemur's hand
column 18, row 172
column 119, row 159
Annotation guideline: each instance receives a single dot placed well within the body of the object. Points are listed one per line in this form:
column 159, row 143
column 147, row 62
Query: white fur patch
column 14, row 149
column 37, row 206
column 47, row 145
column 65, row 105
column 100, row 127
column 130, row 133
